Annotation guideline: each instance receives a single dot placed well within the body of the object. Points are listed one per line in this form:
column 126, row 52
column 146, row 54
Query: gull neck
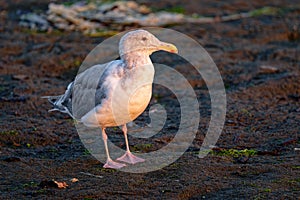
column 135, row 59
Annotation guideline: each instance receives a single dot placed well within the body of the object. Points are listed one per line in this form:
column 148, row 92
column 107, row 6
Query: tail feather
column 52, row 99
column 56, row 102
column 62, row 103
column 53, row 109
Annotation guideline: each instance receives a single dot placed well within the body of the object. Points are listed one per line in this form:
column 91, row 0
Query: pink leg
column 128, row 157
column 109, row 162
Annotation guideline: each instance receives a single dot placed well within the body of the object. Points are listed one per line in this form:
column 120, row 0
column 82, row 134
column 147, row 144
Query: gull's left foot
column 113, row 165
column 128, row 157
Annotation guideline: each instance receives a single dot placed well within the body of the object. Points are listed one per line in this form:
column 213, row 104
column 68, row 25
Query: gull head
column 144, row 42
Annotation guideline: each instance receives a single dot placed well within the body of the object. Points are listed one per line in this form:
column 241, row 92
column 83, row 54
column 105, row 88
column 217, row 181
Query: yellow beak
column 168, row 47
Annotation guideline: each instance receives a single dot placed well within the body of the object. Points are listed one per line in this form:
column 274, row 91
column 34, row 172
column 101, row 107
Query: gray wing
column 89, row 88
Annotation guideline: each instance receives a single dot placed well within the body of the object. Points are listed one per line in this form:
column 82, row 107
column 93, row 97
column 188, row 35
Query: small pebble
column 266, row 69
column 74, row 180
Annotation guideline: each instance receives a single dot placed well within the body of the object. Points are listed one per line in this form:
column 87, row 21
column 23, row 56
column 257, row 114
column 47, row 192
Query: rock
column 34, row 21
column 20, row 77
column 74, row 180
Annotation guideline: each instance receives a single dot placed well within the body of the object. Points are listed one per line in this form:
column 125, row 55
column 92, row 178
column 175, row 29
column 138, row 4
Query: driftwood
column 91, row 18
column 71, row 16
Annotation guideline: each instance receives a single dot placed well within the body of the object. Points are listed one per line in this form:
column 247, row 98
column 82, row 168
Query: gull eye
column 144, row 38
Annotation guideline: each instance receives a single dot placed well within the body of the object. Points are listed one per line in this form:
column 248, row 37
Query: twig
column 89, row 174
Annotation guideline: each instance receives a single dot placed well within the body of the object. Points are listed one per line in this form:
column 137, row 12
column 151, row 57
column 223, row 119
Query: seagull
column 120, row 93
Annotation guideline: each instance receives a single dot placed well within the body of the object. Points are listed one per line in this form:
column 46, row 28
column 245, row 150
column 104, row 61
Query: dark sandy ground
column 262, row 112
